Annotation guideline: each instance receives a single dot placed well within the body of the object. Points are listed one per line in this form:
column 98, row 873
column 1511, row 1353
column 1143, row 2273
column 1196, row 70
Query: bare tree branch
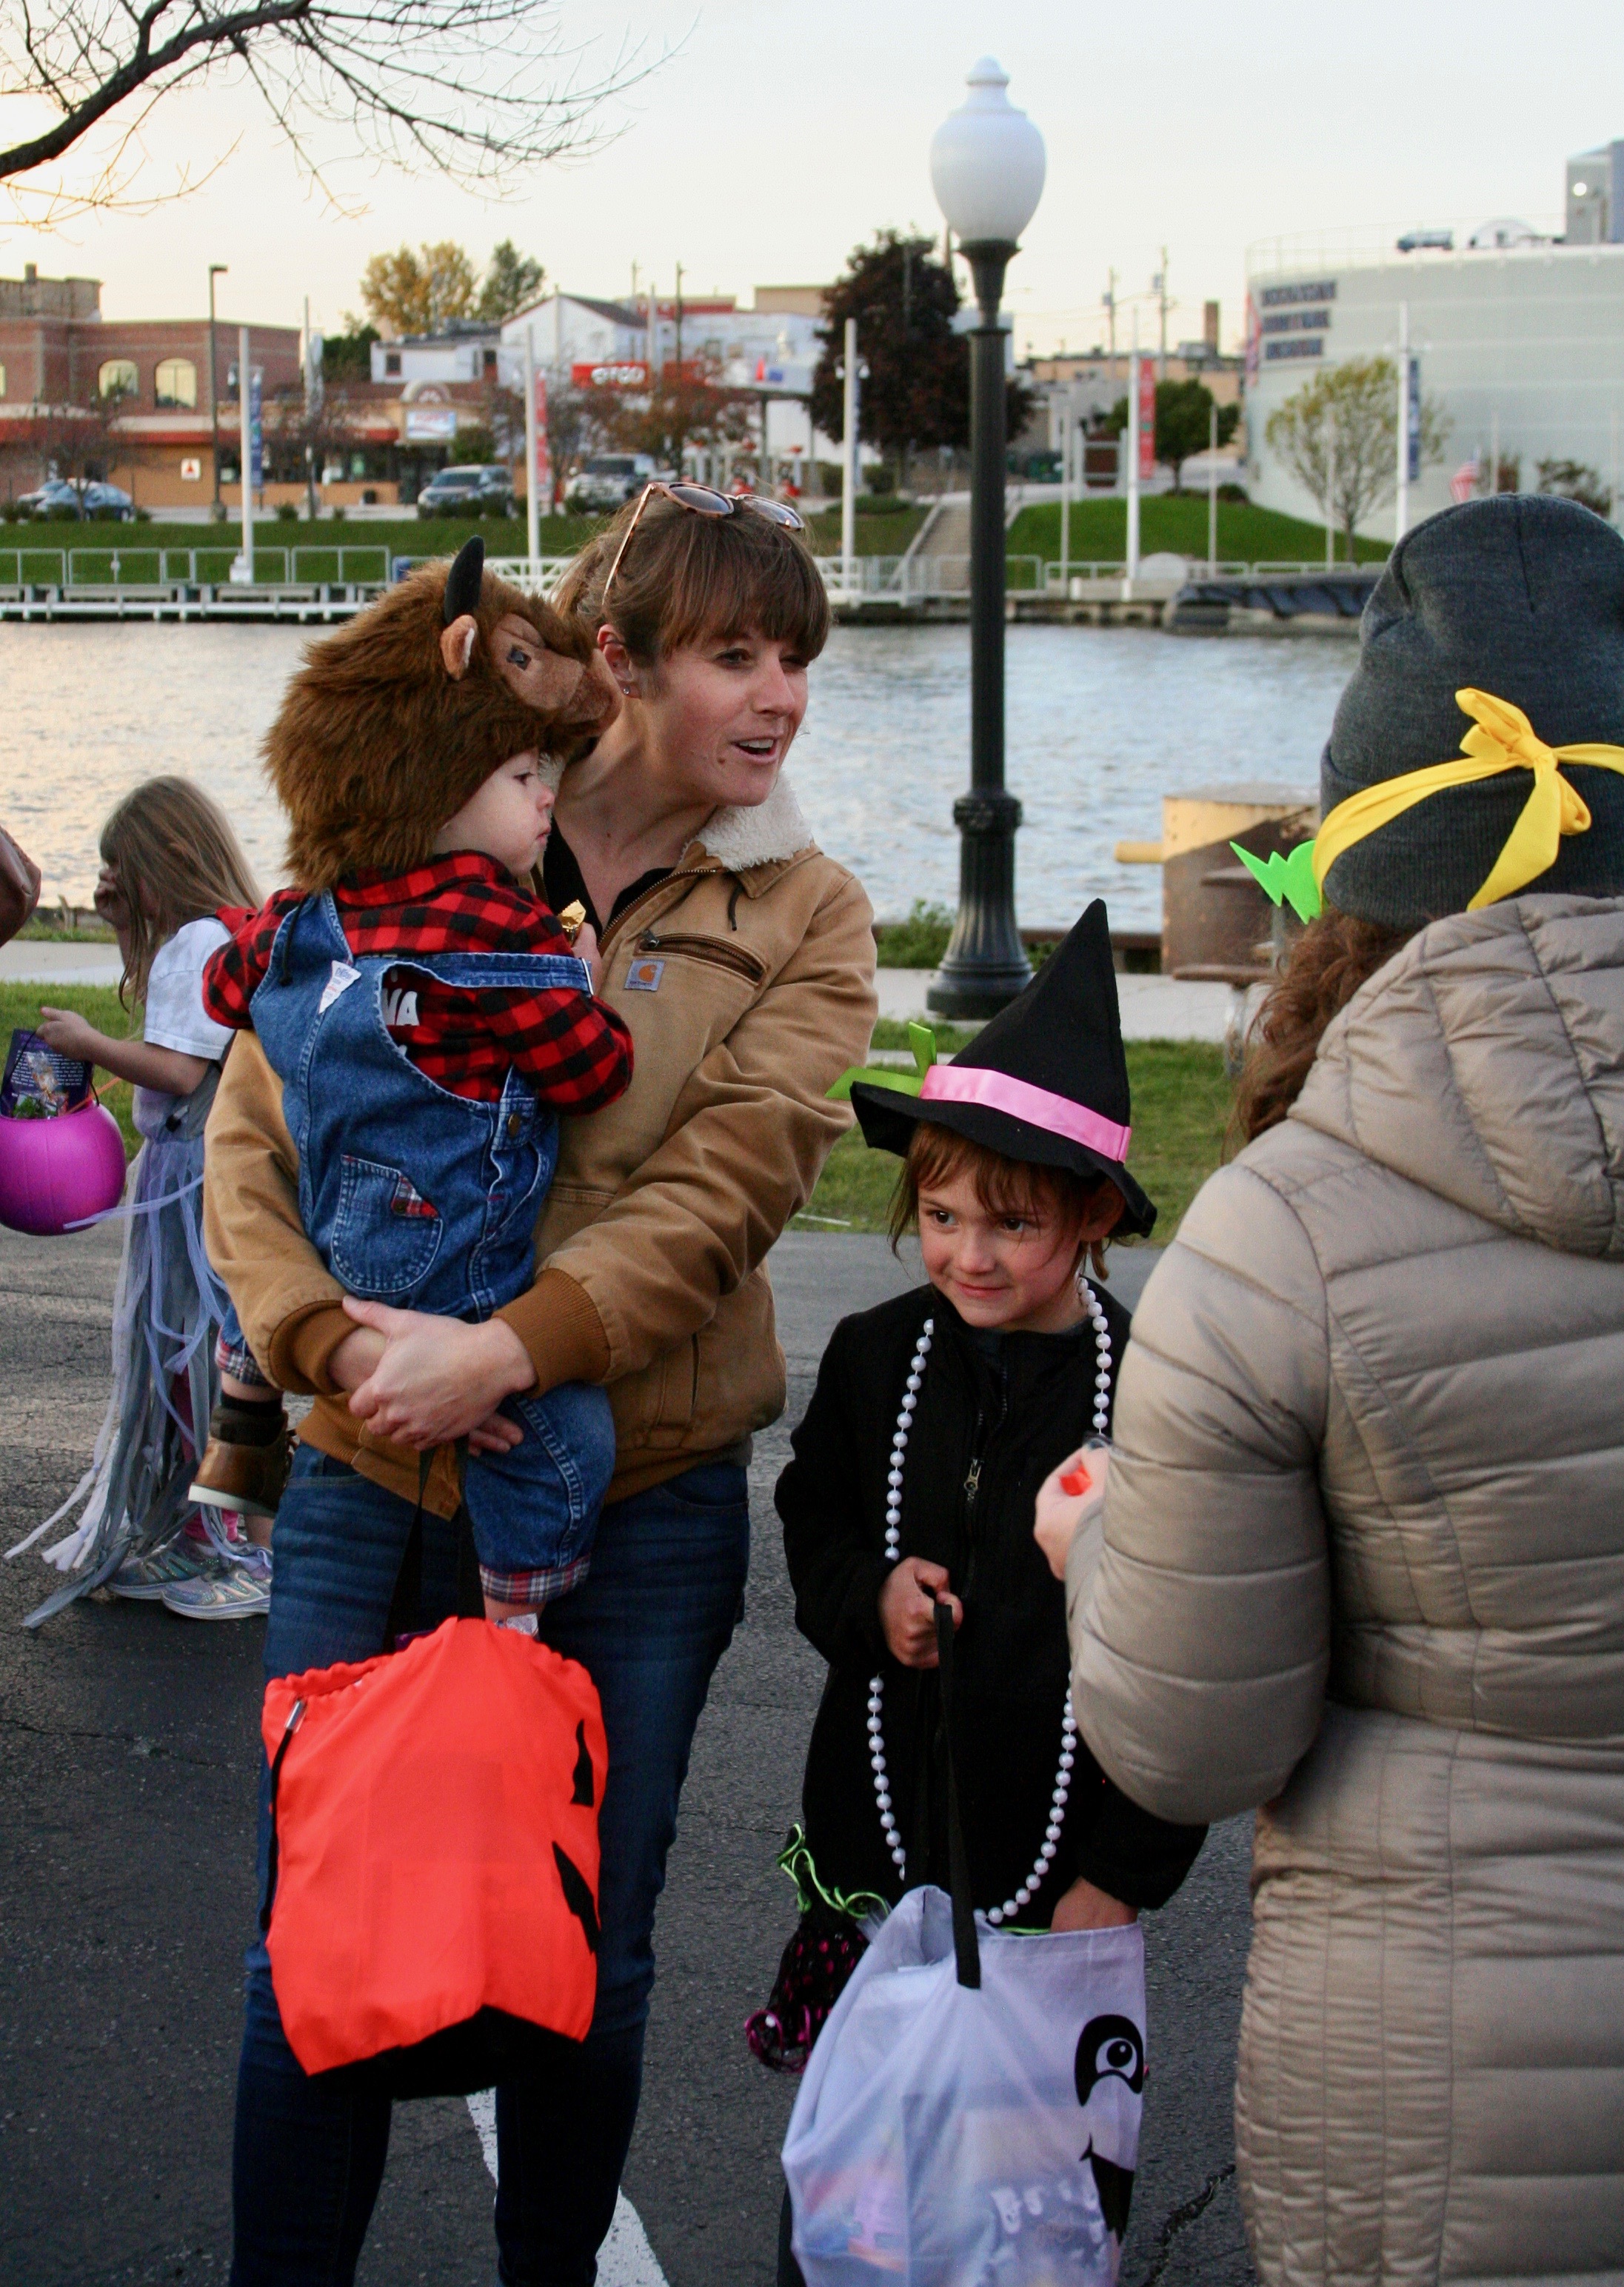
column 478, row 90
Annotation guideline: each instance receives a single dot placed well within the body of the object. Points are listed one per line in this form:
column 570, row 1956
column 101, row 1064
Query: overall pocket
column 385, row 1234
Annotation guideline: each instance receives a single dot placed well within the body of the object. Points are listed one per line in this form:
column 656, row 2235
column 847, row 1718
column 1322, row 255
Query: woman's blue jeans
column 649, row 1623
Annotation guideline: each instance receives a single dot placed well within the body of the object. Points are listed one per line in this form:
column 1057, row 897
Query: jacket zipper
column 717, row 950
column 972, row 1492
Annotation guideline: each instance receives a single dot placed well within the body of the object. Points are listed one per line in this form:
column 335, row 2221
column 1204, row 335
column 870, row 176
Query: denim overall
column 427, row 1201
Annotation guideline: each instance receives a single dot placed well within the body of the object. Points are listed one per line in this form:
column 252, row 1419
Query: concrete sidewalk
column 129, row 1759
column 1154, row 1007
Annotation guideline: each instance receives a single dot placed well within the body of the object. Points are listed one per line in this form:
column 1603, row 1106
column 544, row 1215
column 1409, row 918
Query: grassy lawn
column 1181, row 1103
column 888, row 534
column 1178, row 522
column 19, row 1005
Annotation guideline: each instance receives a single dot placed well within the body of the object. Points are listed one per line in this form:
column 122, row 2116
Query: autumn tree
column 417, row 293
column 916, row 389
column 1339, row 436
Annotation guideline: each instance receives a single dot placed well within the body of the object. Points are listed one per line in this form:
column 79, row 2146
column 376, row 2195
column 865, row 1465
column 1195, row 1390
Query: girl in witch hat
column 936, row 1419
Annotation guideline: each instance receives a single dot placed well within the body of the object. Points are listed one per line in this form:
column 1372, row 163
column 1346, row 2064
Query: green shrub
column 339, row 512
column 286, row 512
column 920, row 941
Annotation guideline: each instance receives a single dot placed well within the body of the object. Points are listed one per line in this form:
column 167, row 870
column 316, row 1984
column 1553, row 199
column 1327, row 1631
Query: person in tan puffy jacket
column 1362, row 1556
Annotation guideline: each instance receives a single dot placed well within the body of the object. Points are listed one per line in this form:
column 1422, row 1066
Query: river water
column 1102, row 722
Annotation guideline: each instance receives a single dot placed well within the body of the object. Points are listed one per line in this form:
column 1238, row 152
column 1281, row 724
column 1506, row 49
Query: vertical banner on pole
column 256, row 427
column 543, row 447
column 1413, row 425
column 1147, row 419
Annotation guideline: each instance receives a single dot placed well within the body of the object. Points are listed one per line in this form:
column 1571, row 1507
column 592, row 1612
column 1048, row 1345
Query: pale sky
column 777, row 135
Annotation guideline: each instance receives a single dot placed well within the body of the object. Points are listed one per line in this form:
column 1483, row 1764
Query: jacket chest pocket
column 715, row 952
column 385, row 1234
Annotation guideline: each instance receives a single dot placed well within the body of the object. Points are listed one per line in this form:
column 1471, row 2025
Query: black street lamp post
column 984, row 964
column 987, row 165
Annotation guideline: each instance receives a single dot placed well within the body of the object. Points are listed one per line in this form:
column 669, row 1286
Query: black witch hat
column 1045, row 1081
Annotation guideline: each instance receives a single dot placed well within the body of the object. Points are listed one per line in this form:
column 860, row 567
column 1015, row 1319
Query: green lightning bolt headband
column 1291, row 878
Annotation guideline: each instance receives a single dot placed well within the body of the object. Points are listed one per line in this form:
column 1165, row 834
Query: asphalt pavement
column 128, row 1762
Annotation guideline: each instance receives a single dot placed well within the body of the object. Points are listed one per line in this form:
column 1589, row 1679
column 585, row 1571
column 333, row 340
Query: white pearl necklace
column 893, row 1549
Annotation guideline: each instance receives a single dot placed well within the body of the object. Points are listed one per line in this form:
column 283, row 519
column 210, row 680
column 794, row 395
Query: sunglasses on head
column 703, row 500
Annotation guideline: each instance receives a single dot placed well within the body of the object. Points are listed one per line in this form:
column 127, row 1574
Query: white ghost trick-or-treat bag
column 972, row 2136
column 970, row 2116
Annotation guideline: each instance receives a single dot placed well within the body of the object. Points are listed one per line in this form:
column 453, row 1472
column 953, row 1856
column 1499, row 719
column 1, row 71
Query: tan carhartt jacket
column 1364, row 1566
column 747, row 979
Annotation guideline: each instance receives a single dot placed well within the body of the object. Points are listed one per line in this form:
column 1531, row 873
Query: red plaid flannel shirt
column 575, row 1052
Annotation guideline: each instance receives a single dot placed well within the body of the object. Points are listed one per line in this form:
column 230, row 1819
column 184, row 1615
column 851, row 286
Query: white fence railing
column 899, row 580
column 127, row 569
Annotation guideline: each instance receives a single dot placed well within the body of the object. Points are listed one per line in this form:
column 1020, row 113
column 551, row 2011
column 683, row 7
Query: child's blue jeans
column 532, row 1509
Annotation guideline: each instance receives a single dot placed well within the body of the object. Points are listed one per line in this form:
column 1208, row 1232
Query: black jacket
column 987, row 1432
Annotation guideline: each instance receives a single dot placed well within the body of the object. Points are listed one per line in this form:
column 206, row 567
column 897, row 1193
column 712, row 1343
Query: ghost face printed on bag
column 1110, row 2077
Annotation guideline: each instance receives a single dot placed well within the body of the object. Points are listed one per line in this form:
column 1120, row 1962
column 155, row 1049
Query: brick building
column 127, row 399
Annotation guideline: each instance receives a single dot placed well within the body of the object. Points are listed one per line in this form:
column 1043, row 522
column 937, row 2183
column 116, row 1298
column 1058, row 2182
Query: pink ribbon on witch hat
column 975, row 1084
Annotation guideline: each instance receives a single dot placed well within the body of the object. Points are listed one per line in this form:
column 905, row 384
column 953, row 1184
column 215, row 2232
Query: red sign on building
column 617, row 373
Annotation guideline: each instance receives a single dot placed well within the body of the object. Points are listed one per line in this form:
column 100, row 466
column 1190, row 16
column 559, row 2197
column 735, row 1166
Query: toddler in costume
column 935, row 1421
column 429, row 1017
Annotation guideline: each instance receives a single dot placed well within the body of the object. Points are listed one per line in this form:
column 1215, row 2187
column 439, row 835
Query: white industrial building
column 1519, row 335
column 769, row 350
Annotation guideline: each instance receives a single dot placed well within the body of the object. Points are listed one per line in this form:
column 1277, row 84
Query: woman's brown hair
column 689, row 579
column 937, row 1155
column 1335, row 956
column 177, row 859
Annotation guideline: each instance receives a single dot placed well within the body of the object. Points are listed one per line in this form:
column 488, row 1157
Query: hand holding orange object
column 1066, row 1496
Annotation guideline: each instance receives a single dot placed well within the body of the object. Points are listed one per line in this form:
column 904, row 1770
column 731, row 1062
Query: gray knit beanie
column 1519, row 595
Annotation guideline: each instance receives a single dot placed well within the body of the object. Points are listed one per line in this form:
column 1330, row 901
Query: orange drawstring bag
column 434, row 1856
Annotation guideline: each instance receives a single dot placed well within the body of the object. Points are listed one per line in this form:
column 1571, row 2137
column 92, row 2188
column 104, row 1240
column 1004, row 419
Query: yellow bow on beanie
column 1502, row 739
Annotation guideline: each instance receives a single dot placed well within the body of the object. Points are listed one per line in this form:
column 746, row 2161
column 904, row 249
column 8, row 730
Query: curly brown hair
column 1335, row 956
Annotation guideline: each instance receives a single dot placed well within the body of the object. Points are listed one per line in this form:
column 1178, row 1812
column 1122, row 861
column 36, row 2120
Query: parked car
column 608, row 480
column 60, row 497
column 483, row 489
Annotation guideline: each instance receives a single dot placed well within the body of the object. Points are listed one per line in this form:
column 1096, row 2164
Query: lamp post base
column 986, row 964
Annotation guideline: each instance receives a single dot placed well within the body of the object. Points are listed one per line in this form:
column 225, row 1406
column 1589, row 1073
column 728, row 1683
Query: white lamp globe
column 987, row 164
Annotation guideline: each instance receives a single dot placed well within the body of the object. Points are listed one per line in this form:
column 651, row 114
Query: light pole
column 216, row 270
column 987, row 170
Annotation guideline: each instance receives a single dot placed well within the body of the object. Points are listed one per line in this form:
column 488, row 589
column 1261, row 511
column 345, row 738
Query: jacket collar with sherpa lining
column 766, row 834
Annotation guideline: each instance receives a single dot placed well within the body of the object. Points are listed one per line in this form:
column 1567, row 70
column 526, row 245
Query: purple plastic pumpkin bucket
column 59, row 1171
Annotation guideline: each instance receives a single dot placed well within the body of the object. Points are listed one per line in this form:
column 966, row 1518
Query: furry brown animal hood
column 379, row 739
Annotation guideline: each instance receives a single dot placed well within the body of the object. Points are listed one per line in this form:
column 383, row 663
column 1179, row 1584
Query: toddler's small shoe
column 239, row 1590
column 246, row 1477
column 145, row 1579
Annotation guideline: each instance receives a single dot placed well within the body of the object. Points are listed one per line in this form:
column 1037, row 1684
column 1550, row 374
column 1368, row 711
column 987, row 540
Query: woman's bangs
column 741, row 575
